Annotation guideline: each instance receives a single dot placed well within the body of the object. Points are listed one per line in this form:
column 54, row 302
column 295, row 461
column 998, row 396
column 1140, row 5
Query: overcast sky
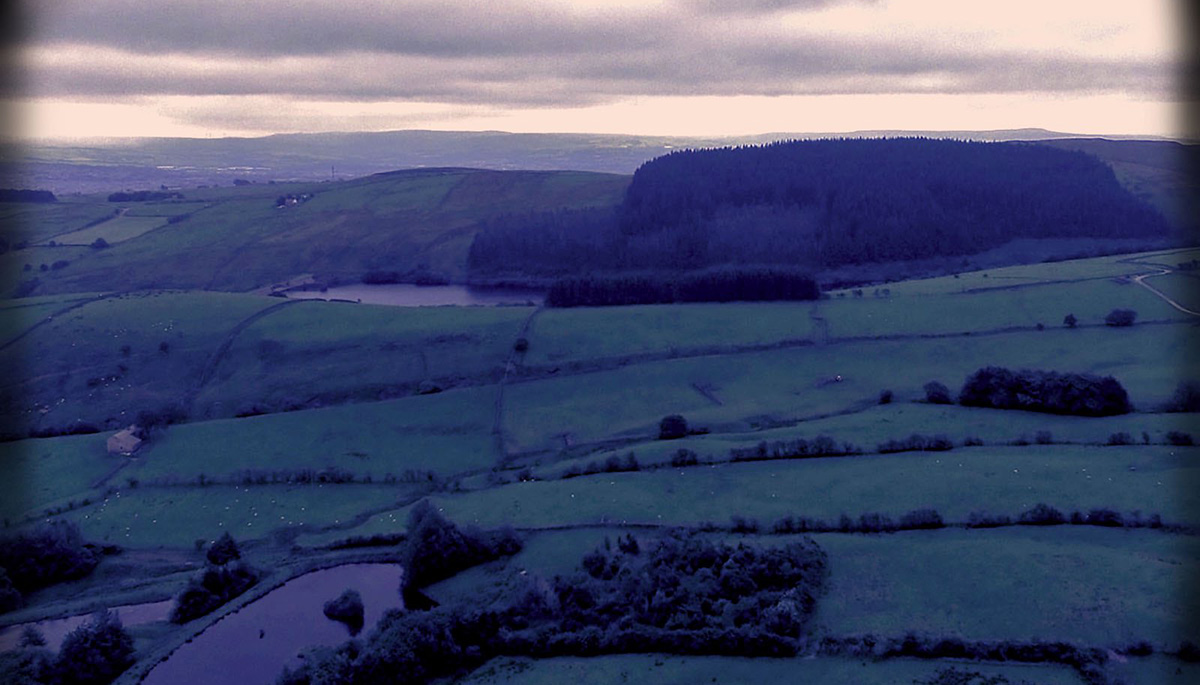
column 681, row 67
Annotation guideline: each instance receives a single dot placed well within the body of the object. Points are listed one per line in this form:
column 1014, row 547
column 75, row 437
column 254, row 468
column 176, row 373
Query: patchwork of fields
column 304, row 424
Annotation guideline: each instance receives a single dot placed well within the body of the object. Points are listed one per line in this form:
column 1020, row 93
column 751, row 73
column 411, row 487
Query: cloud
column 534, row 53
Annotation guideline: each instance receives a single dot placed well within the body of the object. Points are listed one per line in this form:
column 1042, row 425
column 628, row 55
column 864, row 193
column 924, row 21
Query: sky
column 213, row 68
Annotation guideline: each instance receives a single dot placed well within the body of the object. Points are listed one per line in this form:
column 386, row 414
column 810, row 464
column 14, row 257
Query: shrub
column 1186, row 397
column 937, row 393
column 1070, row 321
column 99, row 244
column 1104, row 517
column 1120, row 317
column 1043, row 438
column 885, row 397
column 521, row 345
column 346, row 608
column 1042, row 515
column 223, row 551
column 980, row 519
column 1180, row 439
column 920, row 519
column 10, row 597
column 684, row 457
column 672, row 427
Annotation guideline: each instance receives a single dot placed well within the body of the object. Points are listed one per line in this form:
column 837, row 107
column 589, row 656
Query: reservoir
column 55, row 629
column 251, row 646
column 409, row 295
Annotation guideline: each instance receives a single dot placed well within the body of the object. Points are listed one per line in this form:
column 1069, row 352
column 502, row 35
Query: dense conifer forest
column 824, row 203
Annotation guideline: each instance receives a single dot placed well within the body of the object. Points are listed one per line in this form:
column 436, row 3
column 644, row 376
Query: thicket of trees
column 823, row 203
column 224, row 577
column 1045, row 391
column 39, row 558
column 95, row 653
column 686, row 595
column 436, row 548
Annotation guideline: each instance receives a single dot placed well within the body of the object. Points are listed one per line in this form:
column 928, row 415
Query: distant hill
column 417, row 223
column 125, row 164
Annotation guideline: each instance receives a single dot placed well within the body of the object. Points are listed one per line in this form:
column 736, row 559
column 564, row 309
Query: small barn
column 124, row 442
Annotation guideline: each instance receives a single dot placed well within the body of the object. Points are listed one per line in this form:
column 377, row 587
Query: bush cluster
column 1045, row 391
column 687, row 595
column 820, row 446
column 48, row 555
column 916, row 443
column 224, row 577
column 435, row 548
column 612, row 464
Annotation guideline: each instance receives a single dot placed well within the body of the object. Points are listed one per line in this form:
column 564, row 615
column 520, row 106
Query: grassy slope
column 303, row 351
column 764, row 388
column 238, row 240
column 672, row 670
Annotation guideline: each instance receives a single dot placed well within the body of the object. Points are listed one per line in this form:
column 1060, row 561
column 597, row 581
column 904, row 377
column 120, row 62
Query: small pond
column 55, row 629
column 409, row 295
column 252, row 646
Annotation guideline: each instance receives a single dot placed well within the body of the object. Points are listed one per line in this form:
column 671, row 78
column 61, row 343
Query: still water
column 54, row 630
column 409, row 295
column 252, row 646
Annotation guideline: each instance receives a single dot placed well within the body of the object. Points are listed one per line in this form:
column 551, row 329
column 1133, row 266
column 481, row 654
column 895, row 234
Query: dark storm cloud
column 515, row 54
column 307, row 27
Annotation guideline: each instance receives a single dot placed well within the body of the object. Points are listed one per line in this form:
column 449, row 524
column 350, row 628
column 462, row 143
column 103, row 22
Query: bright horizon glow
column 57, row 120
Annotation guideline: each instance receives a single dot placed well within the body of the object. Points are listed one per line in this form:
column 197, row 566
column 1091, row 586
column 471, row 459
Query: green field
column 1095, row 586
column 760, row 389
column 113, row 231
column 175, row 517
column 996, row 480
column 275, row 388
column 331, row 349
column 240, row 241
column 666, row 669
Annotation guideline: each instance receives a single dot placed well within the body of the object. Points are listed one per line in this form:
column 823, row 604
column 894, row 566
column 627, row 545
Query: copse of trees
column 436, row 548
column 224, row 577
column 1045, row 391
column 684, row 595
column 48, row 555
column 1120, row 317
column 710, row 285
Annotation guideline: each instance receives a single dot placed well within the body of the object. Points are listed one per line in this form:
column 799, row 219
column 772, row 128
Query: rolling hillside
column 417, row 222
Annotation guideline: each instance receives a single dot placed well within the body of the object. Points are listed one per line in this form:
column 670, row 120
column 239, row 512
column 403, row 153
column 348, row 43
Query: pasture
column 684, row 670
column 402, row 403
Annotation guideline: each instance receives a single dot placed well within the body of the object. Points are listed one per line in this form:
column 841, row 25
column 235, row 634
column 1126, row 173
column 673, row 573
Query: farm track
column 210, row 367
column 514, row 360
